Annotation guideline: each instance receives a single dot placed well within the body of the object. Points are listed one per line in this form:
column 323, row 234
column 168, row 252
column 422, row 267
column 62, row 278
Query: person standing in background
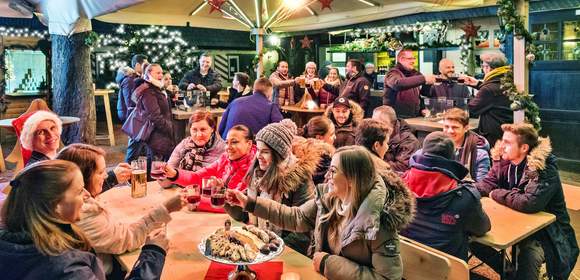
column 283, row 85
column 203, row 78
column 449, row 86
column 371, row 74
column 126, row 103
column 356, row 87
column 403, row 85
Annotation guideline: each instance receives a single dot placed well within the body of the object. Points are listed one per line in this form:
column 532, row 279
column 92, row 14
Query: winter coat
column 209, row 156
column 369, row 246
column 155, row 104
column 126, row 80
column 475, row 151
column 450, row 90
column 254, row 111
column 223, row 168
column 212, row 81
column 345, row 133
column 283, row 89
column 295, row 188
column 402, row 90
column 328, row 93
column 19, row 259
column 234, row 94
column 302, row 146
column 539, row 189
column 493, row 109
column 402, row 145
column 448, row 210
column 358, row 89
column 36, row 157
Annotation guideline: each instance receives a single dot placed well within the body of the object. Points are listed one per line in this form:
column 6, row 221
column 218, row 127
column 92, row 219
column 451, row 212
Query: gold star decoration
column 306, row 42
column 470, row 29
column 216, row 5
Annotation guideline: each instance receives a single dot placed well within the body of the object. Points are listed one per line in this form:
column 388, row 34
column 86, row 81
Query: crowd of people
column 339, row 190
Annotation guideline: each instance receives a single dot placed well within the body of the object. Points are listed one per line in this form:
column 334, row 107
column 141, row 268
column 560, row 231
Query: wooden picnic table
column 571, row 196
column 181, row 119
column 185, row 231
column 509, row 227
column 300, row 116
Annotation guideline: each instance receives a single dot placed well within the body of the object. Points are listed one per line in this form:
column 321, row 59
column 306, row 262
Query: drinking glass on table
column 193, row 196
column 138, row 178
column 206, row 185
column 218, row 195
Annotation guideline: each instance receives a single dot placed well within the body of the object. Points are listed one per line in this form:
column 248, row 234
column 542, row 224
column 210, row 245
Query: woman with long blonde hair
column 354, row 218
column 38, row 239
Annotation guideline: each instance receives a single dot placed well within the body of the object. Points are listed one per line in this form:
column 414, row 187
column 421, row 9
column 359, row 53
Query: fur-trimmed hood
column 355, row 109
column 399, row 206
column 536, row 158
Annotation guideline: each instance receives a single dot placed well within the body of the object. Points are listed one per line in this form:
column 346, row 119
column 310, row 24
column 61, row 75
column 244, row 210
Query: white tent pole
column 521, row 68
column 259, row 33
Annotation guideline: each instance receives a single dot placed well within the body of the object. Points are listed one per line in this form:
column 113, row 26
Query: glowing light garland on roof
column 22, row 32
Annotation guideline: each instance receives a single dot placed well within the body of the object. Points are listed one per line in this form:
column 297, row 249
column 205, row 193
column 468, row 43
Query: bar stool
column 111, row 133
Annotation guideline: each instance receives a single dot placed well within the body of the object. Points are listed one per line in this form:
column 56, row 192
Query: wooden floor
column 116, row 154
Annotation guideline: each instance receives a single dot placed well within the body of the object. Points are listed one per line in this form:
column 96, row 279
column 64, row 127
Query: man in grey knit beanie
column 278, row 137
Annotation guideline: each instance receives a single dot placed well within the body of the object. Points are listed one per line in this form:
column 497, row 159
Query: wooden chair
column 423, row 262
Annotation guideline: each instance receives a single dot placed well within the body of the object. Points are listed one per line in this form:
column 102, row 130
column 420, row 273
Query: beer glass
column 193, row 196
column 206, row 184
column 138, row 180
column 158, row 170
column 316, row 84
column 302, row 81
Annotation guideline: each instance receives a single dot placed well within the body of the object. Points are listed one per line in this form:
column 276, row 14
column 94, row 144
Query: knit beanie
column 288, row 123
column 30, row 125
column 438, row 144
column 278, row 137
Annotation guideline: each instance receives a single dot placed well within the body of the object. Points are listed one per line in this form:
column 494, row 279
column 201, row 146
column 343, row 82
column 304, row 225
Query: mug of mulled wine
column 193, row 196
column 218, row 196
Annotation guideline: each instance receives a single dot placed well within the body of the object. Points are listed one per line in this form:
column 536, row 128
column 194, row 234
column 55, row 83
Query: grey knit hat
column 438, row 144
column 278, row 137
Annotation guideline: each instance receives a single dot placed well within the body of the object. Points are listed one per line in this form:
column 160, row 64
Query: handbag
column 137, row 125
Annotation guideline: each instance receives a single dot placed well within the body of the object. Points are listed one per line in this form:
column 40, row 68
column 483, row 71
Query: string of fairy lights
column 22, row 32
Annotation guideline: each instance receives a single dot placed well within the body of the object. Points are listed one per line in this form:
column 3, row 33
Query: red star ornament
column 215, row 5
column 306, row 42
column 470, row 29
column 325, row 4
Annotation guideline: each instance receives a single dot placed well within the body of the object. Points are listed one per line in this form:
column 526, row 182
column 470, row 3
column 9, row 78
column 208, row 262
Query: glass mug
column 218, row 195
column 193, row 196
column 138, row 179
column 302, row 81
column 316, row 84
column 158, row 170
column 206, row 184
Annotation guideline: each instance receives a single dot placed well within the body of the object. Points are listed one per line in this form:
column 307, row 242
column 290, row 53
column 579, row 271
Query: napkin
column 265, row 271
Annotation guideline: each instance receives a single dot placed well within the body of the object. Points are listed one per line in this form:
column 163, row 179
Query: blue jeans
column 135, row 149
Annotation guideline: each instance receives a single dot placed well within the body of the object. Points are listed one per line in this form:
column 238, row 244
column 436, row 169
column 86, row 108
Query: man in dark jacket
column 402, row 144
column 525, row 178
column 448, row 210
column 449, row 87
column 254, row 111
column 490, row 103
column 356, row 87
column 471, row 149
column 402, row 85
column 126, row 80
column 203, row 78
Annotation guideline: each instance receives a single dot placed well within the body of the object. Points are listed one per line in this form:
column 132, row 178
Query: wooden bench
column 423, row 262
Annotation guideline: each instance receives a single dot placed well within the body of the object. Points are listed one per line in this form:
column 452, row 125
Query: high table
column 180, row 120
column 15, row 156
column 508, row 227
column 185, row 231
column 300, row 116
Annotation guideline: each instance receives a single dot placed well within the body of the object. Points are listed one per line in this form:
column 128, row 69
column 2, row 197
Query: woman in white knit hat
column 279, row 175
column 41, row 135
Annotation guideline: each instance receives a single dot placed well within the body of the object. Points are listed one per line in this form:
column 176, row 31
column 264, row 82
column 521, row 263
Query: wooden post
column 73, row 86
column 521, row 69
column 259, row 33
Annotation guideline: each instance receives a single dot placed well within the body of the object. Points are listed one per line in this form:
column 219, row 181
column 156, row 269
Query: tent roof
column 342, row 12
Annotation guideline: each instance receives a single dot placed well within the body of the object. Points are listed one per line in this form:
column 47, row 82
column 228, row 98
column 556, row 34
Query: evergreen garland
column 521, row 100
column 510, row 22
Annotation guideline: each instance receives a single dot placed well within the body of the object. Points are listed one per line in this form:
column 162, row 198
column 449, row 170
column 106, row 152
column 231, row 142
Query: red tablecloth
column 266, row 271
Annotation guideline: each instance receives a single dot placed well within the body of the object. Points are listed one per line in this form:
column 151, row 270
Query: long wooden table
column 508, row 227
column 301, row 116
column 185, row 231
column 571, row 196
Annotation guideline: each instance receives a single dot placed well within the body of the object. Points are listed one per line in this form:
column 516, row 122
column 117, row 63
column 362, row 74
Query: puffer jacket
column 539, row 189
column 295, row 188
column 223, row 168
column 126, row 80
column 493, row 109
column 301, row 146
column 155, row 104
column 212, row 81
column 402, row 145
column 448, row 209
column 370, row 243
column 19, row 259
column 345, row 133
column 211, row 154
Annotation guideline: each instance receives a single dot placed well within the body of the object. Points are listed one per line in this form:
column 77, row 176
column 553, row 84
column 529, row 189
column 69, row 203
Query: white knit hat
column 30, row 125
